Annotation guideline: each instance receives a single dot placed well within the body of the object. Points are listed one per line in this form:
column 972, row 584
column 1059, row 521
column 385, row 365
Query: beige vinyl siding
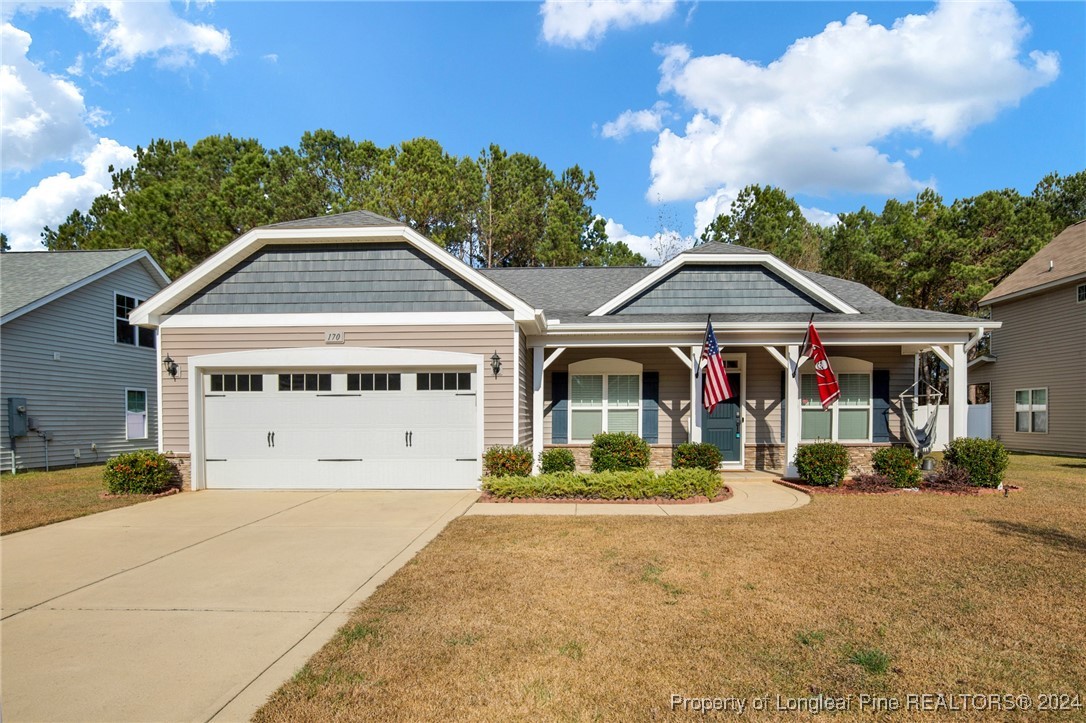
column 1042, row 344
column 81, row 397
column 182, row 343
column 762, row 408
column 524, row 391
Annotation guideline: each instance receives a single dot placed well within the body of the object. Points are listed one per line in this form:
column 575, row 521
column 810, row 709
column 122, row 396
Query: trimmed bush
column 699, row 455
column 631, row 485
column 618, row 451
column 899, row 465
column 985, row 460
column 512, row 461
column 822, row 463
column 556, row 459
column 871, row 483
column 145, row 472
column 949, row 478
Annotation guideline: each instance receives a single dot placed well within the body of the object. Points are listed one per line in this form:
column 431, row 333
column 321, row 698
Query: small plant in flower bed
column 873, row 482
column 509, row 461
column 556, row 459
column 949, row 478
column 616, row 451
column 639, row 484
column 700, row 455
column 985, row 460
column 145, row 472
column 898, row 464
column 823, row 463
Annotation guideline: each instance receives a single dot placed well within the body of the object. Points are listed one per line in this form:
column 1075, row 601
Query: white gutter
column 975, row 339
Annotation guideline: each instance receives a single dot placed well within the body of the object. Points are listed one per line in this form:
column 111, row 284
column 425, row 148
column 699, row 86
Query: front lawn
column 586, row 618
column 32, row 499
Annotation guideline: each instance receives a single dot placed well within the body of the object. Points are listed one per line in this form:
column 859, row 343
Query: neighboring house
column 350, row 351
column 87, row 376
column 1036, row 367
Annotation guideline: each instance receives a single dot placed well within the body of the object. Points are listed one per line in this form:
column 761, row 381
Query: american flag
column 716, row 387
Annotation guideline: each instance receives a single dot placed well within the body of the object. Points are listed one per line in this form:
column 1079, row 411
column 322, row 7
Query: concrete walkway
column 194, row 607
column 752, row 492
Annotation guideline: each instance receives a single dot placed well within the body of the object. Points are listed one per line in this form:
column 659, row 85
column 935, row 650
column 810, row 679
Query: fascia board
column 781, row 268
column 783, row 325
column 1040, row 288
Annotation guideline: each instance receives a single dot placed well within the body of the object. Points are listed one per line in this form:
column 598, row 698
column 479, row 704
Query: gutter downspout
column 975, row 339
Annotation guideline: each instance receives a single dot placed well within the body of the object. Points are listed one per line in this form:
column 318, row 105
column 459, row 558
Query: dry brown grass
column 32, row 499
column 522, row 618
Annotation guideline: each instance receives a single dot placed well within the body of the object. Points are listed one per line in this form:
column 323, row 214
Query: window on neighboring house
column 443, row 381
column 373, row 382
column 849, row 418
column 135, row 413
column 1082, row 293
column 1031, row 410
column 305, row 382
column 604, row 403
column 126, row 333
column 237, row 383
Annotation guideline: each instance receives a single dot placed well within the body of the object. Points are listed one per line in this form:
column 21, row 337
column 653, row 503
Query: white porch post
column 537, row 405
column 959, row 392
column 695, row 398
column 791, row 414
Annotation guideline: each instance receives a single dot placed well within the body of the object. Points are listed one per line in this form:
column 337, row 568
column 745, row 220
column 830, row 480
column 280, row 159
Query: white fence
column 979, row 422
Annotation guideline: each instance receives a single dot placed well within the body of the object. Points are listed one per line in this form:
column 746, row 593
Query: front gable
column 329, row 278
column 722, row 289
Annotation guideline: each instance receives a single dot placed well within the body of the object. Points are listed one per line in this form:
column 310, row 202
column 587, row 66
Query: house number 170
column 333, row 337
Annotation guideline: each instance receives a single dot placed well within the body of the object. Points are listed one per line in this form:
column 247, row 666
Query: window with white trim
column 1082, row 293
column 604, row 396
column 1031, row 410
column 849, row 418
column 135, row 414
column 124, row 332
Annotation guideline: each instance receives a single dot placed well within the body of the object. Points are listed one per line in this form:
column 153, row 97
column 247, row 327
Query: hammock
column 921, row 438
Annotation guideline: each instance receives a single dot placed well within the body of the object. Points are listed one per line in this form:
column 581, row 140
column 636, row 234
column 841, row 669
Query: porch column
column 537, row 406
column 959, row 392
column 695, row 398
column 791, row 414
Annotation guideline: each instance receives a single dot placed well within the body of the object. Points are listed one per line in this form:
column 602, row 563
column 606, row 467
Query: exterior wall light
column 496, row 364
column 170, row 366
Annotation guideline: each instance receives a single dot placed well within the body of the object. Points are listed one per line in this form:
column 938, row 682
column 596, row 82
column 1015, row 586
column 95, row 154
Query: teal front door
column 722, row 426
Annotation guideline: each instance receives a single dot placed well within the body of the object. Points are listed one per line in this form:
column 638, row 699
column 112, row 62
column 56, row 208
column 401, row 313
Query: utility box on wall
column 17, row 419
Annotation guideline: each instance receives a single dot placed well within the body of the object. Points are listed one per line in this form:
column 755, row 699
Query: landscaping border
column 486, row 498
column 843, row 489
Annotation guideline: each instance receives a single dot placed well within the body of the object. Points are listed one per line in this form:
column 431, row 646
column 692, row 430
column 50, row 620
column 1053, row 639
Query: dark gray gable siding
column 723, row 289
column 375, row 277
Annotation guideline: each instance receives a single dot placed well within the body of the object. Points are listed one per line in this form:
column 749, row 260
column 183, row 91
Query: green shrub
column 145, row 472
column 696, row 454
column 985, row 460
column 822, row 463
column 630, row 484
column 556, row 459
column 899, row 465
column 617, row 451
column 512, row 461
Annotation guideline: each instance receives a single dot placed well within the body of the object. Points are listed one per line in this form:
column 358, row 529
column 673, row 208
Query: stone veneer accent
column 184, row 466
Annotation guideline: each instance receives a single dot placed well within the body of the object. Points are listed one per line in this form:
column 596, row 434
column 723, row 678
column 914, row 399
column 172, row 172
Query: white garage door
column 372, row 429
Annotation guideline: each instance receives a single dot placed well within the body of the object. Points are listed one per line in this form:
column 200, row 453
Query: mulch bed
column 725, row 494
column 847, row 488
column 167, row 493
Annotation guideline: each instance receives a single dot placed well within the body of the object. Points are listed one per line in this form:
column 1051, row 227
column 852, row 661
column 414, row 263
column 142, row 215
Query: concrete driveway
column 194, row 607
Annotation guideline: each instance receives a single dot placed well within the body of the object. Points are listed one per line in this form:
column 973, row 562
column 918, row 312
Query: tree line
column 922, row 253
column 182, row 203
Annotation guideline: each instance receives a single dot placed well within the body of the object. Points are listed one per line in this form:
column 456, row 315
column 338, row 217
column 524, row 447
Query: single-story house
column 350, row 351
column 78, row 381
column 1036, row 365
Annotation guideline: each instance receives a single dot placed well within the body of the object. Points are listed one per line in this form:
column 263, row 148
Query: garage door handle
column 273, row 438
column 410, row 439
column 405, row 442
column 269, row 439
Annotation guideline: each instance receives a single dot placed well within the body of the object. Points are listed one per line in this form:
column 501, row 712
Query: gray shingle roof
column 583, row 288
column 27, row 276
column 715, row 247
column 350, row 219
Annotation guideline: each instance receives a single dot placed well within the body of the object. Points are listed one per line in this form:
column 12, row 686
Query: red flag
column 716, row 388
column 828, row 389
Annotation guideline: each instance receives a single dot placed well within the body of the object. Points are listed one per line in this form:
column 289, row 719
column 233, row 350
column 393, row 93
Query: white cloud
column 270, row 58
column 819, row 217
column 42, row 116
column 810, row 121
column 128, row 31
column 658, row 248
column 636, row 121
column 583, row 23
column 53, row 198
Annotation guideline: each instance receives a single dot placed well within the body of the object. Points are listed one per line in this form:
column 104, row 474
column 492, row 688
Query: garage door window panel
column 236, row 383
column 443, row 381
column 303, row 382
column 373, row 382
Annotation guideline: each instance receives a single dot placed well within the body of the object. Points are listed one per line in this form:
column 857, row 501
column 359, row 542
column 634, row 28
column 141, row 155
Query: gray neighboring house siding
column 739, row 289
column 81, row 397
column 374, row 277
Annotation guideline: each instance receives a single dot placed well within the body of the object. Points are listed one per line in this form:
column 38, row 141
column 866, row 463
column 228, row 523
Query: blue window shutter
column 559, row 407
column 880, row 405
column 650, row 407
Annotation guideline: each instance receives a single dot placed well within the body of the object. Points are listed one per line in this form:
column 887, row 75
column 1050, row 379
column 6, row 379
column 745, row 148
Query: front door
column 722, row 427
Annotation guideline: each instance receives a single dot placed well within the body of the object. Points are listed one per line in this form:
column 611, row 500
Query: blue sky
column 674, row 106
